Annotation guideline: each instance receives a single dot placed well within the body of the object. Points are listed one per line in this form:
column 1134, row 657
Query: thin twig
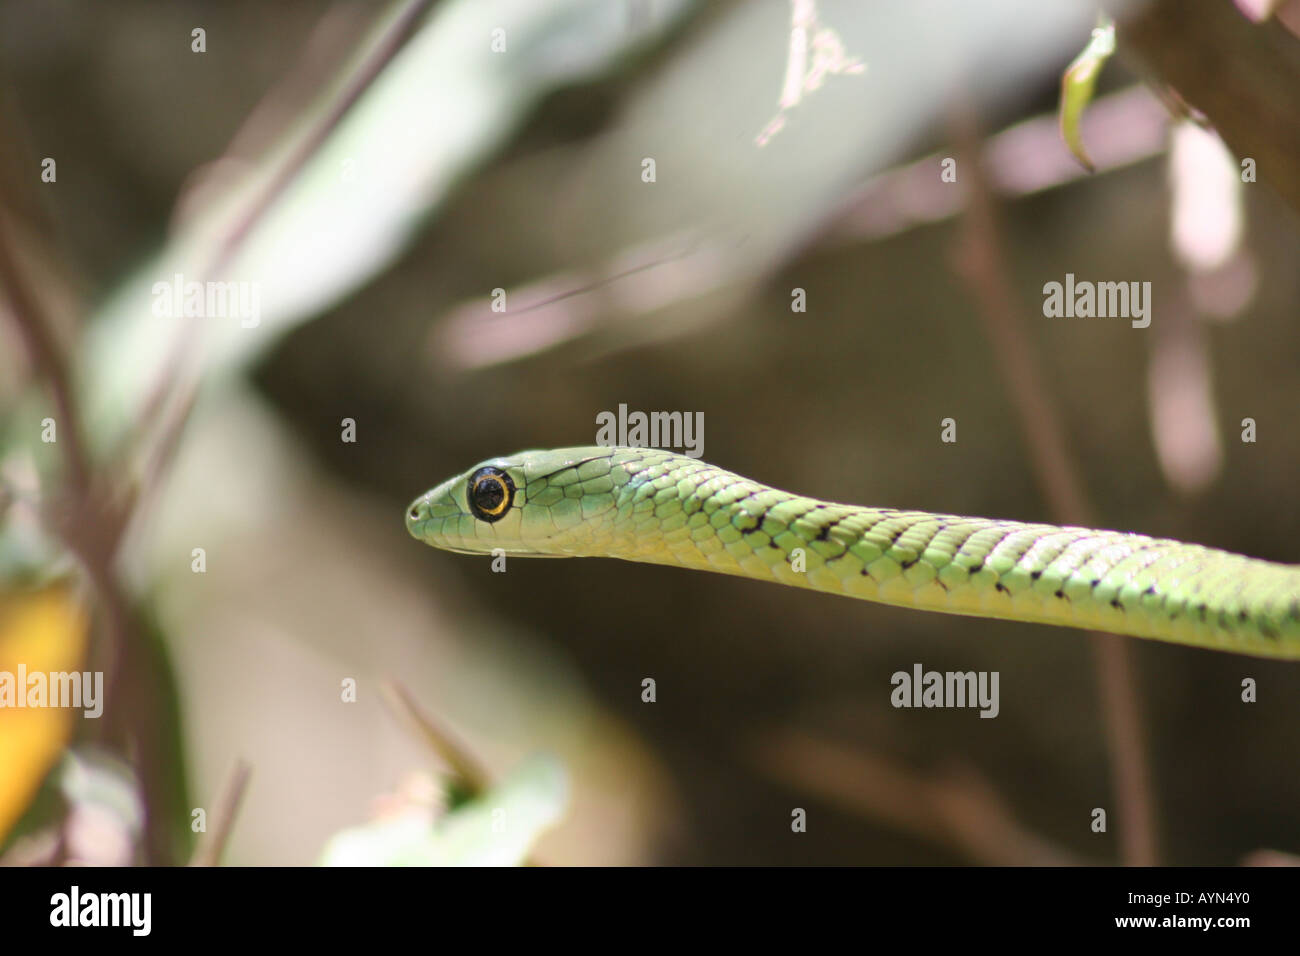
column 38, row 337
column 466, row 769
column 981, row 262
column 213, row 843
column 170, row 386
column 1122, row 128
column 387, row 47
column 464, row 765
column 90, row 527
column 958, row 809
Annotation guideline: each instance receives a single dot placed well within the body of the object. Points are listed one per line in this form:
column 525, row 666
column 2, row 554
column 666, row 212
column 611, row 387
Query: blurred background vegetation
column 379, row 170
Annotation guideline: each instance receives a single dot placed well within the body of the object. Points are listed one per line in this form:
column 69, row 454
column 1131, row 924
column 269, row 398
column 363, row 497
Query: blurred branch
column 1242, row 75
column 1270, row 858
column 89, row 517
column 564, row 307
column 958, row 808
column 174, row 386
column 464, row 766
column 980, row 261
column 37, row 336
column 213, row 844
column 466, row 769
column 1122, row 128
column 387, row 46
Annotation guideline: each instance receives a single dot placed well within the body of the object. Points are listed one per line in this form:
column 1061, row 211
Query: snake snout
column 416, row 512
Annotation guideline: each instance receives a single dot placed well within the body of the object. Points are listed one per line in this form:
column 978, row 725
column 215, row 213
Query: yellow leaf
column 44, row 630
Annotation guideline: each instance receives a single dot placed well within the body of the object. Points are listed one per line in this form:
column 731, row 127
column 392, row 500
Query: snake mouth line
column 509, row 553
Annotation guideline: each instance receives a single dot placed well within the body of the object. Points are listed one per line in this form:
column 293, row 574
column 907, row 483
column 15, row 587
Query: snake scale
column 646, row 504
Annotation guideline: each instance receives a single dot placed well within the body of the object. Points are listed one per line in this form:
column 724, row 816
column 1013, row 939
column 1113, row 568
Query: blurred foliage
column 495, row 829
column 40, row 631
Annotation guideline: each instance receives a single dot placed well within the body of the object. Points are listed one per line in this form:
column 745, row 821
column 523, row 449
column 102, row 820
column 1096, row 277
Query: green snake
column 646, row 504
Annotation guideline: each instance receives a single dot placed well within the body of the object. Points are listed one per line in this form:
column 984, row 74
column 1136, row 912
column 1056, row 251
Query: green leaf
column 497, row 829
column 1077, row 84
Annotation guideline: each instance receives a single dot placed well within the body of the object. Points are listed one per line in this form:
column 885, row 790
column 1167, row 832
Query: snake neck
column 669, row 509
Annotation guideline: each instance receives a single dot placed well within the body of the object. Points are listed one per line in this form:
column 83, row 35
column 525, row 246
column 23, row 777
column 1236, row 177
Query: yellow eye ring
column 490, row 493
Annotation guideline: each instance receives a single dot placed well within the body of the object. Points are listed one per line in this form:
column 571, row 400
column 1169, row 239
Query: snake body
column 646, row 504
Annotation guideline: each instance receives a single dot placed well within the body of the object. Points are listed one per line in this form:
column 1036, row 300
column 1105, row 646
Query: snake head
column 528, row 504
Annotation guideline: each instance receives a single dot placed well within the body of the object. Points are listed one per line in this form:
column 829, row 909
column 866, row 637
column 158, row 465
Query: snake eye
column 490, row 493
